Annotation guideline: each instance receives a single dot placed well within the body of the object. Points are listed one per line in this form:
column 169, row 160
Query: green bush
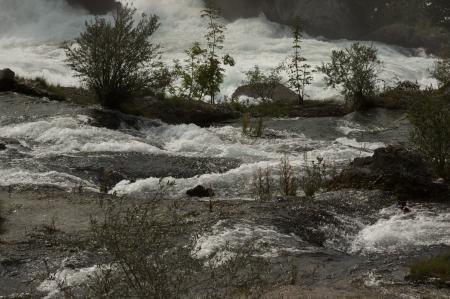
column 288, row 180
column 117, row 59
column 355, row 70
column 441, row 72
column 150, row 253
column 314, row 178
column 261, row 84
column 431, row 132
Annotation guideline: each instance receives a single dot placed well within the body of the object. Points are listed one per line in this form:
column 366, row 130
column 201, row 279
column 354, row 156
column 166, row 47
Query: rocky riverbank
column 307, row 234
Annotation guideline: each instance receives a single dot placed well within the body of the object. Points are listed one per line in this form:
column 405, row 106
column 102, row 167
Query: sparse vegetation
column 435, row 270
column 150, row 255
column 431, row 132
column 261, row 84
column 441, row 72
column 299, row 73
column 354, row 70
column 314, row 177
column 263, row 184
column 117, row 59
column 252, row 128
column 288, row 180
column 211, row 71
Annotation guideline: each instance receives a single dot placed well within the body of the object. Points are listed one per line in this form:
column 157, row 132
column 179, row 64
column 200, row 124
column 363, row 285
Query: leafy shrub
column 263, row 184
column 151, row 255
column 355, row 70
column 431, row 132
column 261, row 84
column 441, row 72
column 250, row 128
column 116, row 59
column 288, row 181
column 314, row 178
column 299, row 73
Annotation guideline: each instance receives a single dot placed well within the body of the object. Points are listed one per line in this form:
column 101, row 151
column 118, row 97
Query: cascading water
column 40, row 133
column 31, row 33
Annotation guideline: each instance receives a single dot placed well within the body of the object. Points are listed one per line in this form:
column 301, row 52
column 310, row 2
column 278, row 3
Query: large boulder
column 396, row 170
column 95, row 6
column 281, row 93
column 200, row 191
column 7, row 80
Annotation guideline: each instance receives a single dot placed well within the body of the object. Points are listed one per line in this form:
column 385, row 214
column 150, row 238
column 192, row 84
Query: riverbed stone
column 200, row 191
column 7, row 80
column 394, row 169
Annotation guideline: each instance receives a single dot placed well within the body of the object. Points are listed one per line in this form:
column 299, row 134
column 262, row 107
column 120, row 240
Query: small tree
column 355, row 69
column 261, row 84
column 211, row 72
column 189, row 73
column 441, row 72
column 431, row 133
column 116, row 59
column 299, row 73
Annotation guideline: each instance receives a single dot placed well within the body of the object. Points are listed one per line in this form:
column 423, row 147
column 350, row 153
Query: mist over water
column 31, row 33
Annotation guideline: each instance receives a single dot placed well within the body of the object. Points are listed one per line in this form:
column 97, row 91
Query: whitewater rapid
column 31, row 33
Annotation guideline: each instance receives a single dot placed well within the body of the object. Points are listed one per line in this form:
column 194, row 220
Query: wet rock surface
column 394, row 169
column 95, row 6
column 134, row 166
column 9, row 83
column 179, row 111
column 312, row 235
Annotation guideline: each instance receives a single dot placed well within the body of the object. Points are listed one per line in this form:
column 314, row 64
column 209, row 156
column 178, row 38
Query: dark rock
column 95, row 6
column 281, row 93
column 2, row 147
column 396, row 170
column 7, row 80
column 200, row 191
column 27, row 88
column 109, row 168
column 378, row 20
column 178, row 111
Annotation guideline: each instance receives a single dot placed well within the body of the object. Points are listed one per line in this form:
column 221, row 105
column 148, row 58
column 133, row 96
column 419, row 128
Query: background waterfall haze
column 31, row 33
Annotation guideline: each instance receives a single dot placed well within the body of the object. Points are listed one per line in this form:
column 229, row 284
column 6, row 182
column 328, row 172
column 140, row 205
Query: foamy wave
column 399, row 231
column 22, row 177
column 267, row 241
column 71, row 134
column 251, row 41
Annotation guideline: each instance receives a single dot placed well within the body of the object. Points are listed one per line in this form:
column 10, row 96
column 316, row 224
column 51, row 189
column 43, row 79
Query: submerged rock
column 393, row 169
column 2, row 147
column 200, row 191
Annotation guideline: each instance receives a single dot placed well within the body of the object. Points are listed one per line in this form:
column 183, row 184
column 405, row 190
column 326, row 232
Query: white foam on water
column 67, row 277
column 224, row 238
column 22, row 177
column 229, row 142
column 71, row 135
column 34, row 30
column 398, row 232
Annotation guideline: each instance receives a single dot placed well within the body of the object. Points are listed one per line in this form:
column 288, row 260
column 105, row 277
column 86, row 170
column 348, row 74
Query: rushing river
column 31, row 33
column 58, row 145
